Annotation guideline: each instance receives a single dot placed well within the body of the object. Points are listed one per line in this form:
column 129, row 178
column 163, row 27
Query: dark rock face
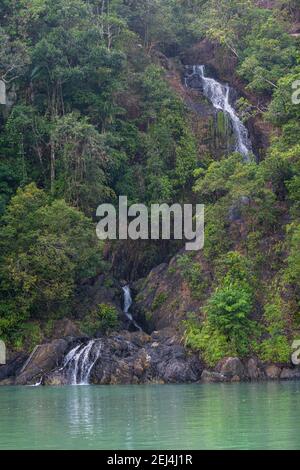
column 164, row 298
column 136, row 358
column 65, row 328
column 232, row 369
column 101, row 290
column 290, row 374
column 45, row 358
column 12, row 368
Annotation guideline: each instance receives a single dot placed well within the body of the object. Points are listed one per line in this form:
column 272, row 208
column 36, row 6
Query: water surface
column 187, row 417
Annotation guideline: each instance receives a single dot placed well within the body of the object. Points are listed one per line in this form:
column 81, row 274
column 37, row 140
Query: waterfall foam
column 219, row 95
column 80, row 361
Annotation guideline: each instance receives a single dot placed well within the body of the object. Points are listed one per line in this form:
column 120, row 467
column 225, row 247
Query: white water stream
column 219, row 94
column 80, row 361
column 127, row 305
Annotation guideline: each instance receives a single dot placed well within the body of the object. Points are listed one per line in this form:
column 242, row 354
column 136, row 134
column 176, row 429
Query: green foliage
column 192, row 272
column 227, row 328
column 158, row 301
column 292, row 273
column 212, row 344
column 46, row 248
column 80, row 173
column 228, row 312
column 92, row 116
column 27, row 337
column 101, row 320
column 235, row 269
column 268, row 53
column 277, row 346
column 232, row 187
column 276, row 349
column 257, row 37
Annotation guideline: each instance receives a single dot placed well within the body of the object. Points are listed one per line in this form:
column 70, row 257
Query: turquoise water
column 212, row 416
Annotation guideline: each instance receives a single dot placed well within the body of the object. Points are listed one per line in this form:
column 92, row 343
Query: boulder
column 13, row 367
column 231, row 367
column 56, row 378
column 253, row 370
column 236, row 378
column 273, row 372
column 43, row 359
column 212, row 377
column 290, row 374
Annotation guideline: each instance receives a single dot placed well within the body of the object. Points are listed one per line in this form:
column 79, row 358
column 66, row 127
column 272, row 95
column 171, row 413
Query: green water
column 237, row 416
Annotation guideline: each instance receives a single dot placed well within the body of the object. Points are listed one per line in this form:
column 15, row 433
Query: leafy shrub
column 159, row 301
column 192, row 272
column 228, row 312
column 101, row 320
column 292, row 273
column 46, row 248
column 27, row 337
column 276, row 348
column 229, row 308
column 227, row 328
column 209, row 341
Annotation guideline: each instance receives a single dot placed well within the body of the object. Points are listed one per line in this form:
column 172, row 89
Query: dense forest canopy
column 90, row 116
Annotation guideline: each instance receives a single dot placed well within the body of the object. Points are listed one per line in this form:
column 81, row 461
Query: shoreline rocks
column 252, row 370
column 139, row 358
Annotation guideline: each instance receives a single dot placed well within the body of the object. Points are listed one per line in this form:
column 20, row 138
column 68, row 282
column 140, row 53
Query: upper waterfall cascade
column 219, row 95
column 127, row 305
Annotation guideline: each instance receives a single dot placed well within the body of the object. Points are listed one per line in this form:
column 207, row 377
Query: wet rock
column 139, row 338
column 212, row 377
column 136, row 358
column 290, row 374
column 253, row 370
column 44, row 358
column 6, row 382
column 231, row 368
column 236, row 378
column 54, row 379
column 141, row 364
column 13, row 367
column 273, row 372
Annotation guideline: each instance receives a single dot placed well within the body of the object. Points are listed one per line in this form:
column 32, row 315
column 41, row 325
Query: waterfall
column 127, row 305
column 218, row 95
column 80, row 361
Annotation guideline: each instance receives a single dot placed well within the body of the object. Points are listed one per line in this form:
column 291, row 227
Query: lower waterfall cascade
column 219, row 95
column 79, row 362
